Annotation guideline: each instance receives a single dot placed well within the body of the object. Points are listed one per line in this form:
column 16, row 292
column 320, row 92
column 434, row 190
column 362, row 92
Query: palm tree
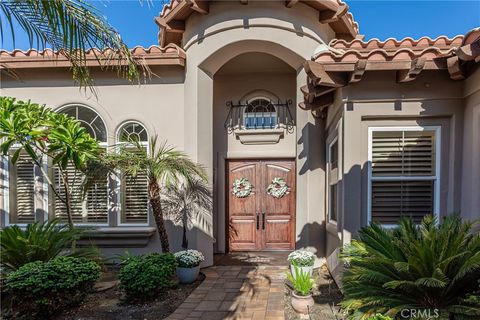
column 186, row 202
column 70, row 27
column 163, row 166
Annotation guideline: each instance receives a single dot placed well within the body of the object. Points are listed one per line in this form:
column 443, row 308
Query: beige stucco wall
column 470, row 196
column 116, row 102
column 431, row 100
column 181, row 105
column 229, row 30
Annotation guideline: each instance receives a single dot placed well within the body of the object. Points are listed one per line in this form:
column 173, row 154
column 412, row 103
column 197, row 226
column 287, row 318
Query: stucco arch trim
column 220, row 57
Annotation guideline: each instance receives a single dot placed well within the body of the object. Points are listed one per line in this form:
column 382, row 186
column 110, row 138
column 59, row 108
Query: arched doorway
column 254, row 140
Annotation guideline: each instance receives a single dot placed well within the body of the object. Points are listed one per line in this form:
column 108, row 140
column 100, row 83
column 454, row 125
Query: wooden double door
column 260, row 220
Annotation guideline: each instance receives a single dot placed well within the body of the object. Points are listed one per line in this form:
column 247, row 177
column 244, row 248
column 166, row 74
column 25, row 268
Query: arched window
column 133, row 190
column 90, row 120
column 92, row 207
column 260, row 113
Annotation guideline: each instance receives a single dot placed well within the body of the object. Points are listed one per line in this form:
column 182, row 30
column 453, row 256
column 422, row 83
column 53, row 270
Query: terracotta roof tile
column 153, row 55
column 389, row 50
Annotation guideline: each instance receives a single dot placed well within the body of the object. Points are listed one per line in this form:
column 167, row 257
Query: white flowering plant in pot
column 189, row 258
column 188, row 262
column 304, row 261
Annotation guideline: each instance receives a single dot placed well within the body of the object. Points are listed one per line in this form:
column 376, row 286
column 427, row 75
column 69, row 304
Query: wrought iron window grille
column 259, row 114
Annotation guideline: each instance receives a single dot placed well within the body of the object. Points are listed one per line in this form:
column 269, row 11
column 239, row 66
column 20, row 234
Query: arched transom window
column 90, row 120
column 132, row 131
column 260, row 113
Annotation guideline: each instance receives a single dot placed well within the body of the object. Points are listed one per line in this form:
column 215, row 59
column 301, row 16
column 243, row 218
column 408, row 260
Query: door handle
column 258, row 220
column 263, row 220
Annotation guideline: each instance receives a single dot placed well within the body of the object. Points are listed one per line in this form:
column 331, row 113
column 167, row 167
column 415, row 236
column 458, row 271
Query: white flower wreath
column 242, row 188
column 278, row 188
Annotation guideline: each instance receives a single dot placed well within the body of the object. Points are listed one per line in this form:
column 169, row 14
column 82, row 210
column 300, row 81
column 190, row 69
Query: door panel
column 280, row 212
column 260, row 221
column 243, row 211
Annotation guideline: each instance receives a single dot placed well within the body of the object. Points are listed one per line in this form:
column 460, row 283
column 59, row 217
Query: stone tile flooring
column 236, row 292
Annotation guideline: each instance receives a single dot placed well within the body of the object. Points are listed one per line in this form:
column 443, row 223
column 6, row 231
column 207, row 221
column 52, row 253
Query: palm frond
column 71, row 27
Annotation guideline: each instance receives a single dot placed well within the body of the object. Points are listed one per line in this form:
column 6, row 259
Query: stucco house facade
column 270, row 93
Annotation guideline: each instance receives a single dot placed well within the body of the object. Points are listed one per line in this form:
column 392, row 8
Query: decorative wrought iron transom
column 259, row 114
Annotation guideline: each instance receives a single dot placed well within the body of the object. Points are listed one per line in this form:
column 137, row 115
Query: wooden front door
column 260, row 221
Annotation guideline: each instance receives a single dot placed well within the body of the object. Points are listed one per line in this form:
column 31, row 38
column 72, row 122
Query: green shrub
column 143, row 277
column 426, row 267
column 39, row 242
column 40, row 289
column 302, row 282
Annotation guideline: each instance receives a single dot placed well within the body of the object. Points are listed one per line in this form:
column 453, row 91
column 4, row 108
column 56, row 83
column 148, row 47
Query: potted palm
column 302, row 300
column 188, row 265
column 303, row 260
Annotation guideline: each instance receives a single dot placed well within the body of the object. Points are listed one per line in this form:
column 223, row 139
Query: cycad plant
column 39, row 242
column 188, row 202
column 163, row 166
column 424, row 267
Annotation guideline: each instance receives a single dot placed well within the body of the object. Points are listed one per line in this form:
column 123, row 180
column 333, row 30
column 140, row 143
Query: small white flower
column 302, row 258
column 189, row 258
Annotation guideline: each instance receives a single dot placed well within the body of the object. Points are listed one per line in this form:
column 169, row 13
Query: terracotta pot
column 302, row 304
column 187, row 275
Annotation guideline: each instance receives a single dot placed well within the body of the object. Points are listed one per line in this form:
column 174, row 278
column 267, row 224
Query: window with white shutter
column 21, row 191
column 404, row 173
column 133, row 190
column 91, row 207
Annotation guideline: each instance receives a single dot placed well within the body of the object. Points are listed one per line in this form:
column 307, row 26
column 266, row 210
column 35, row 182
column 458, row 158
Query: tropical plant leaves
column 426, row 266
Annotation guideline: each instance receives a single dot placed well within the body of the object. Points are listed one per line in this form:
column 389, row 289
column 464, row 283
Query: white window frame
column 435, row 178
column 329, row 161
column 118, row 179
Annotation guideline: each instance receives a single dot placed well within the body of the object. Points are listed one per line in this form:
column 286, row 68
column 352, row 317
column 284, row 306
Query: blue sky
column 377, row 19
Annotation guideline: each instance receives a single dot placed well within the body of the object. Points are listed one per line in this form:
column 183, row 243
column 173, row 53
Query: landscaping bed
column 326, row 295
column 109, row 304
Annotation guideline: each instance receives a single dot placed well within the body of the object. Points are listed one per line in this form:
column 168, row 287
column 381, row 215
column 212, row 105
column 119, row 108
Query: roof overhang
column 171, row 20
column 170, row 55
column 347, row 62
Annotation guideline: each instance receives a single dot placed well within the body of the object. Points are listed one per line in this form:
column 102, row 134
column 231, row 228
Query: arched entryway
column 254, row 140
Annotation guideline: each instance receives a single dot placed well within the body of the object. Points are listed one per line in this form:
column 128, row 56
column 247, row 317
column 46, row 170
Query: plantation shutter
column 93, row 208
column 22, row 191
column 135, row 199
column 403, row 175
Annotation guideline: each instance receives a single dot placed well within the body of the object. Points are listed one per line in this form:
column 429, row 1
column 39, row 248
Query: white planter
column 187, row 275
column 308, row 270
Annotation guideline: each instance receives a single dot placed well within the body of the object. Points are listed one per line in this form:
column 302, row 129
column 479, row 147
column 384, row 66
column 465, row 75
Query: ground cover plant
column 40, row 242
column 433, row 268
column 38, row 290
column 144, row 277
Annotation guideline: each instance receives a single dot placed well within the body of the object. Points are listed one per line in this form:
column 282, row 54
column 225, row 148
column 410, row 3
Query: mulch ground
column 326, row 296
column 108, row 304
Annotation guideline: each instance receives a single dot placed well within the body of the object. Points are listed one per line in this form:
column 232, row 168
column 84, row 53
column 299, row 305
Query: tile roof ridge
column 47, row 51
column 362, row 44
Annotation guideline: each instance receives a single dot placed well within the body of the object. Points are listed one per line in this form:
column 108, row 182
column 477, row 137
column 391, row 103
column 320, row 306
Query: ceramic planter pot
column 308, row 270
column 302, row 304
column 187, row 275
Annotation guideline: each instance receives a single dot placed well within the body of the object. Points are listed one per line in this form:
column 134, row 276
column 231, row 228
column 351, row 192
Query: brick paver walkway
column 236, row 292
